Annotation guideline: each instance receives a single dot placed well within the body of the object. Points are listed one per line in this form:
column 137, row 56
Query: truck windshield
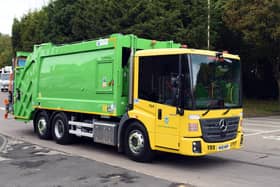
column 216, row 82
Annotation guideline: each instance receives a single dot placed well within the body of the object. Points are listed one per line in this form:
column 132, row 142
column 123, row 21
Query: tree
column 159, row 20
column 258, row 21
column 30, row 30
column 5, row 50
column 64, row 21
column 60, row 14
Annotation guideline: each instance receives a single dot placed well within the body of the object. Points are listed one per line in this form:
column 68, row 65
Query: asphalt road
column 25, row 164
column 257, row 164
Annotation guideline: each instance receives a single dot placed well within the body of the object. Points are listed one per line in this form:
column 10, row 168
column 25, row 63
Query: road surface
column 257, row 164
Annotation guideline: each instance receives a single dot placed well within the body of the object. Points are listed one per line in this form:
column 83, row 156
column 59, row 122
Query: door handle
column 172, row 114
column 159, row 114
column 151, row 105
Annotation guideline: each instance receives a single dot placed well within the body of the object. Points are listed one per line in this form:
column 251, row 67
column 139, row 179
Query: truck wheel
column 42, row 125
column 60, row 129
column 137, row 146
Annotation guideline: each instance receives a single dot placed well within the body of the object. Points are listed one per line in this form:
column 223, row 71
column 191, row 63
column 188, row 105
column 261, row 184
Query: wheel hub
column 136, row 142
column 59, row 129
column 42, row 125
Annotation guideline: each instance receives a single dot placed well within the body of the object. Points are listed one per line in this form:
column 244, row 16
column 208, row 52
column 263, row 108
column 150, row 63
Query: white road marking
column 2, row 108
column 264, row 124
column 262, row 132
column 258, row 125
column 272, row 137
column 255, row 130
column 50, row 153
column 250, row 131
column 4, row 143
column 3, row 159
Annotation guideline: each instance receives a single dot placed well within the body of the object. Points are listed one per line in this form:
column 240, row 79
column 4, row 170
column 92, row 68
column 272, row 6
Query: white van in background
column 4, row 81
column 5, row 78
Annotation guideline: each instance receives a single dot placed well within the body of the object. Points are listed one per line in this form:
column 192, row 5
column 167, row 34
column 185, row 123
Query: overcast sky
column 9, row 9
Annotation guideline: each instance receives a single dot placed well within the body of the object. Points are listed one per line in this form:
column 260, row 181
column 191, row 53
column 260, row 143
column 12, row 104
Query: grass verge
column 258, row 108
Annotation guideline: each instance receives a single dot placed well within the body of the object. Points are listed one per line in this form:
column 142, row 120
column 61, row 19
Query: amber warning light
column 184, row 46
column 153, row 42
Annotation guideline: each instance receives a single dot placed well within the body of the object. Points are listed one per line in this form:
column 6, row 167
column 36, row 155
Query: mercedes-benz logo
column 223, row 125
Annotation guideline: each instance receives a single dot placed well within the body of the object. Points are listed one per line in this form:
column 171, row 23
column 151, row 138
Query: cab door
column 157, row 84
column 167, row 127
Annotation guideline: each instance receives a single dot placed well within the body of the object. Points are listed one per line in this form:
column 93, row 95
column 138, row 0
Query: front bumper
column 4, row 86
column 198, row 147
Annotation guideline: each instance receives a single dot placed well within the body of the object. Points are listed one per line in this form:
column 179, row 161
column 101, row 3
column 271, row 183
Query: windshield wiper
column 209, row 107
column 227, row 111
column 207, row 111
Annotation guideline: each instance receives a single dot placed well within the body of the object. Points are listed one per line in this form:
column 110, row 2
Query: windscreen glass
column 216, row 82
column 5, row 76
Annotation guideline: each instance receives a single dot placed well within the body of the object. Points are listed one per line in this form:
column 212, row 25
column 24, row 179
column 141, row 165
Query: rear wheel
column 60, row 129
column 42, row 125
column 137, row 146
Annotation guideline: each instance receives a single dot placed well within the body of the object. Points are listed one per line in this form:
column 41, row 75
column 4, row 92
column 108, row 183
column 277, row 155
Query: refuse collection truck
column 136, row 94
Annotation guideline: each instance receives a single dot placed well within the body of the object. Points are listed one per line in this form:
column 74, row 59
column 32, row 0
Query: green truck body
column 88, row 77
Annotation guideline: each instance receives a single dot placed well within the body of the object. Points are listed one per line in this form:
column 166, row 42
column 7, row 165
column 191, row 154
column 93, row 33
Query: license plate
column 224, row 147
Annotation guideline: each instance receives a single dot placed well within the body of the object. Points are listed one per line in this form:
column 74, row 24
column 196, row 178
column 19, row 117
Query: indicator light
column 184, row 46
column 153, row 42
column 193, row 127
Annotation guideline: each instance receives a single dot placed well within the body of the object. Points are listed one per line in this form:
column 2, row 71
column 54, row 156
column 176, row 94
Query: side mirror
column 174, row 82
column 179, row 95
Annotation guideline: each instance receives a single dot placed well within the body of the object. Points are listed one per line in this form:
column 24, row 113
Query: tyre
column 42, row 125
column 137, row 145
column 60, row 129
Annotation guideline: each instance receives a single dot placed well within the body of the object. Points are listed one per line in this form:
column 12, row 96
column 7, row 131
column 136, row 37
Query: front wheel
column 60, row 129
column 137, row 146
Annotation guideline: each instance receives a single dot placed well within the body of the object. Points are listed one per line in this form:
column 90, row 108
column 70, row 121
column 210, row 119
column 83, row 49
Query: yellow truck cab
column 189, row 100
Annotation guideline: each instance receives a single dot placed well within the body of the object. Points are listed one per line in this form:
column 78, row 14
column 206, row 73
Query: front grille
column 219, row 130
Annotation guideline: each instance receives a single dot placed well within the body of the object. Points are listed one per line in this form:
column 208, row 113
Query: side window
column 125, row 68
column 157, row 78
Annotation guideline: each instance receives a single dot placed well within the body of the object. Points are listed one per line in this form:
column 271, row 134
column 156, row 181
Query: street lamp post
column 208, row 27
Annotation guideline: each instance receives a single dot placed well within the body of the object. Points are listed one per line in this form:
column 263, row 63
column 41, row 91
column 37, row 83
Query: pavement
column 25, row 164
column 257, row 164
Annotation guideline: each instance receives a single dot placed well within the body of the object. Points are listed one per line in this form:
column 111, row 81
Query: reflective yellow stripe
column 76, row 111
column 20, row 117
